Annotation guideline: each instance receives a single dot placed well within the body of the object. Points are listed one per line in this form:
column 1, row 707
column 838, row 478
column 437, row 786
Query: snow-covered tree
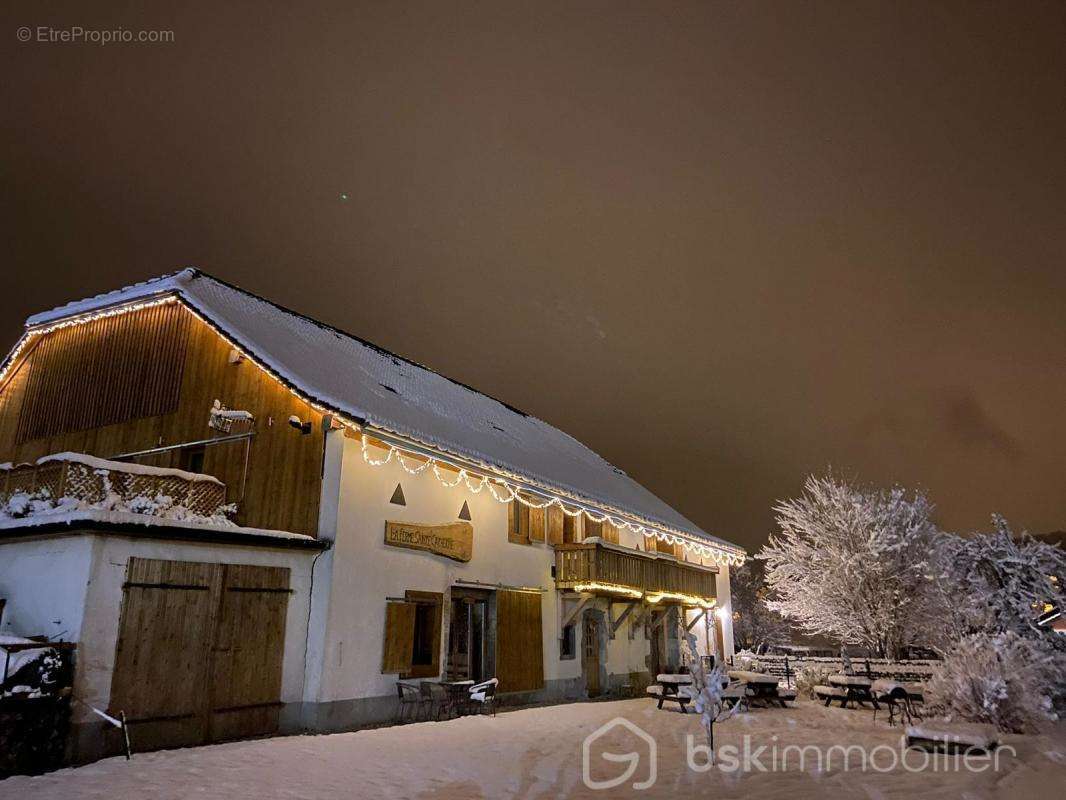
column 851, row 563
column 707, row 686
column 754, row 623
column 996, row 582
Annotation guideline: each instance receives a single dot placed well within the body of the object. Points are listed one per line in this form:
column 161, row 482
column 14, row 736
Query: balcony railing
column 596, row 567
column 66, row 479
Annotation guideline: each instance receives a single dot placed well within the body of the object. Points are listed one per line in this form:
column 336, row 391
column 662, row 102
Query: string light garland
column 614, row 588
column 504, row 492
column 499, row 488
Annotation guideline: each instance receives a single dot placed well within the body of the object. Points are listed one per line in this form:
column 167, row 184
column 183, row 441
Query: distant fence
column 903, row 670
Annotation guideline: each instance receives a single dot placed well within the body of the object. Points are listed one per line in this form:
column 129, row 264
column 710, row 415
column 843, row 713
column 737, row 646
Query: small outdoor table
column 759, row 686
column 667, row 688
column 856, row 688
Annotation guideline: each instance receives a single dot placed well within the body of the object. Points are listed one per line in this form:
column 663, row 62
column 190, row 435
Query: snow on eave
column 163, row 284
column 72, row 518
column 181, row 286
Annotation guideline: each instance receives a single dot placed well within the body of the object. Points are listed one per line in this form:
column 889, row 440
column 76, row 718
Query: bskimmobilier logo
column 641, row 738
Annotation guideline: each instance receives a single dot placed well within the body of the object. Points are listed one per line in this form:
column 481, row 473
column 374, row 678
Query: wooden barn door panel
column 200, row 649
column 247, row 657
column 519, row 644
column 165, row 634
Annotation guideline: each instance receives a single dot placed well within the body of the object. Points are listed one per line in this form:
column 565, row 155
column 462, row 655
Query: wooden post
column 125, row 734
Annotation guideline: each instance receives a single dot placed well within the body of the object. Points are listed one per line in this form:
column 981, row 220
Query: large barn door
column 519, row 644
column 199, row 651
column 246, row 665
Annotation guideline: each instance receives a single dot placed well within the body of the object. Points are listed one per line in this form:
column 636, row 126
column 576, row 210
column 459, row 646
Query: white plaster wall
column 365, row 571
column 44, row 581
column 78, row 578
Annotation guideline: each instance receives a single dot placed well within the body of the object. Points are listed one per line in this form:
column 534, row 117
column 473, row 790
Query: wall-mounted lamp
column 302, row 427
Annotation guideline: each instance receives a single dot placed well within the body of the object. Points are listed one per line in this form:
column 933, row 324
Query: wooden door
column 246, row 663
column 519, row 641
column 199, row 653
column 590, row 655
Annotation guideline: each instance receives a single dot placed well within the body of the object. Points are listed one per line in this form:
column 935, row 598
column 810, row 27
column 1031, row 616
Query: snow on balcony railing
column 75, row 481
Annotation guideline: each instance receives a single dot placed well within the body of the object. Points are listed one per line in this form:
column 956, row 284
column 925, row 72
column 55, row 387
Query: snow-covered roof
column 375, row 387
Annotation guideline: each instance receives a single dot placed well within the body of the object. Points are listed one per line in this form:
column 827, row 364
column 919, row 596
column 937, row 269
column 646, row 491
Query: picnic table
column 759, row 686
column 856, row 689
column 674, row 688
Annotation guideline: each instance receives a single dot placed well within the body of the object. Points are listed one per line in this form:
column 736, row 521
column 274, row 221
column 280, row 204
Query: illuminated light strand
column 608, row 587
column 512, row 493
column 688, row 599
column 719, row 554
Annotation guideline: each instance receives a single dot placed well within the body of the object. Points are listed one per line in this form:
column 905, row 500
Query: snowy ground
column 537, row 753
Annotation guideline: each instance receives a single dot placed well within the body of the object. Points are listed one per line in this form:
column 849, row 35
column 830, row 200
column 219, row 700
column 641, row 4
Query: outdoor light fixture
column 302, row 427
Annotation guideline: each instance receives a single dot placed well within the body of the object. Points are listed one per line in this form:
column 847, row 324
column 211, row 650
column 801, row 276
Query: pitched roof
column 373, row 386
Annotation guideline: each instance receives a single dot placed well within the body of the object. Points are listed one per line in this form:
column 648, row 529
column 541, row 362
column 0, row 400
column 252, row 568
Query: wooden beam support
column 695, row 619
column 617, row 623
column 570, row 618
column 641, row 613
column 657, row 622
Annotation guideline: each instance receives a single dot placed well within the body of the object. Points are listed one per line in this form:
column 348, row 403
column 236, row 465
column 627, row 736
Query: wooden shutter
column 609, row 532
column 573, row 528
column 519, row 643
column 555, row 524
column 436, row 601
column 399, row 637
column 518, row 522
column 536, row 524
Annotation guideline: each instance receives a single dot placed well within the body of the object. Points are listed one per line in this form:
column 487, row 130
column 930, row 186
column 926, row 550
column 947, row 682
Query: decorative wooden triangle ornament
column 464, row 512
column 397, row 497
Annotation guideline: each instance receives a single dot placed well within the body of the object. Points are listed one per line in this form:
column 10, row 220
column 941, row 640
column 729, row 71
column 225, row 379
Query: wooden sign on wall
column 454, row 540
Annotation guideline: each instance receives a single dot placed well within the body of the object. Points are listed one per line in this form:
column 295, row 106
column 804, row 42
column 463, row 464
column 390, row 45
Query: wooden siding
column 519, row 646
column 199, row 653
column 104, row 372
column 285, row 466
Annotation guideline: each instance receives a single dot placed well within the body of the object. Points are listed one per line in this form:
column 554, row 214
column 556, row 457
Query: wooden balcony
column 612, row 570
column 98, row 483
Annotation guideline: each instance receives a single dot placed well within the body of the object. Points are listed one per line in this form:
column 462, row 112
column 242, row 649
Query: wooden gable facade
column 146, row 380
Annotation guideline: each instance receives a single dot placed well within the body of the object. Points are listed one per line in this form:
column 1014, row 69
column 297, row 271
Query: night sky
column 724, row 244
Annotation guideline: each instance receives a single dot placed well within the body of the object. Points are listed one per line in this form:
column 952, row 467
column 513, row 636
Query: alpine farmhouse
column 250, row 522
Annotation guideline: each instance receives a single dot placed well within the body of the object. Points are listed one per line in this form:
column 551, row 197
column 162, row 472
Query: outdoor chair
column 438, row 699
column 895, row 696
column 411, row 702
column 483, row 695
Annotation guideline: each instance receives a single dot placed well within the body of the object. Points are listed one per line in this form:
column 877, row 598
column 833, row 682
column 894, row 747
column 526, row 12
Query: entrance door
column 199, row 651
column 467, row 637
column 590, row 655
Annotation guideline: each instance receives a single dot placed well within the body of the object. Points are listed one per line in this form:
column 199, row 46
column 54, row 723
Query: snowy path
column 536, row 753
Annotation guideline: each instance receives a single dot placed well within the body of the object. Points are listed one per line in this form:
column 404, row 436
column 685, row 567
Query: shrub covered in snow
column 1007, row 680
column 810, row 676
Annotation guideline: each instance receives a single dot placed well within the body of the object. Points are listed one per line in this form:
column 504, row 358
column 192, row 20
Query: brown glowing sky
column 724, row 244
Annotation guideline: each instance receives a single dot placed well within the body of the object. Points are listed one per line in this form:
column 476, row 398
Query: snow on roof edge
column 176, row 283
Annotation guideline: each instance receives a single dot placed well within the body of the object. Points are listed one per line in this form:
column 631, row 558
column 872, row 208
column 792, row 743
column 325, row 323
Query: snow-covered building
column 249, row 521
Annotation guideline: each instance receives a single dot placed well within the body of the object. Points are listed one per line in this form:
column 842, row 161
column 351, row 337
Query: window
column 593, row 529
column 568, row 643
column 412, row 635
